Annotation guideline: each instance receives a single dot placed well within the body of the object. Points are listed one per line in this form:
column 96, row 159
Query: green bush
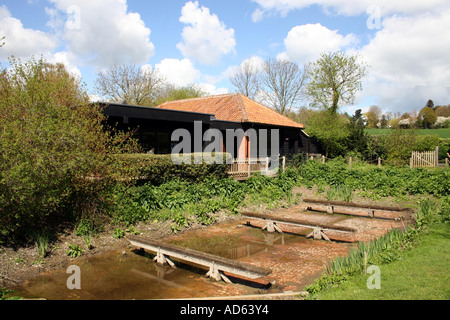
column 55, row 156
column 377, row 183
column 158, row 169
column 426, row 143
column 184, row 201
column 74, row 250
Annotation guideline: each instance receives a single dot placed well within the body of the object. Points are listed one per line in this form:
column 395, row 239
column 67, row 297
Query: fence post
column 436, row 157
column 284, row 163
column 323, row 159
column 350, row 163
column 379, row 163
column 411, row 161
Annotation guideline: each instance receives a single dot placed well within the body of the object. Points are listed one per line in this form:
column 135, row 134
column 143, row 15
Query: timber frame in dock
column 318, row 232
column 357, row 209
column 217, row 265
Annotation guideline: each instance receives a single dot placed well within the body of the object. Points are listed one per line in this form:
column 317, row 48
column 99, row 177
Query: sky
column 405, row 43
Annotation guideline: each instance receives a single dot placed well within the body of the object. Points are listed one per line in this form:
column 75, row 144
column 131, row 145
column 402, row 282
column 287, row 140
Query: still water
column 133, row 274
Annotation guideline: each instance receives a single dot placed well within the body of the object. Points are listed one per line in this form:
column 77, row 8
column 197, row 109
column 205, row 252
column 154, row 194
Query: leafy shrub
column 184, row 201
column 74, row 250
column 118, row 233
column 158, row 169
column 426, row 143
column 371, row 181
column 55, row 156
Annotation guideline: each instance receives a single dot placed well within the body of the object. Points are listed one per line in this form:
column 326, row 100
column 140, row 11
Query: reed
column 379, row 249
column 41, row 241
column 340, row 193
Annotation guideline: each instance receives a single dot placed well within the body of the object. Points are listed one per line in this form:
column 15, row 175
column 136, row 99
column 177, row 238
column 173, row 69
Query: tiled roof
column 232, row 107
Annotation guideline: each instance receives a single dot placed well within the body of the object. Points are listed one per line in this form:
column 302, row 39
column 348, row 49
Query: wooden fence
column 427, row 159
column 242, row 169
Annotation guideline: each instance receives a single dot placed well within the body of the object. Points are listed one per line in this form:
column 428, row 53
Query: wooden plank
column 200, row 258
column 356, row 205
column 297, row 222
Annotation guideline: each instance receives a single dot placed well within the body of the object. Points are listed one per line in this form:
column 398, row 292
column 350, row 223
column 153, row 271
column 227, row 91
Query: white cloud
column 101, row 33
column 257, row 15
column 20, row 41
column 350, row 7
column 409, row 61
column 407, row 55
column 183, row 72
column 255, row 62
column 178, row 72
column 306, row 43
column 206, row 38
column 65, row 58
column 211, row 89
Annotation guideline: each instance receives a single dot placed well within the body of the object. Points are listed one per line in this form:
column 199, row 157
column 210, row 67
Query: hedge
column 158, row 169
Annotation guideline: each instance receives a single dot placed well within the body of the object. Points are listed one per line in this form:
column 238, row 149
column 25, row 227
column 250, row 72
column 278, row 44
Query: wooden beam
column 217, row 265
column 356, row 209
column 356, row 205
column 297, row 222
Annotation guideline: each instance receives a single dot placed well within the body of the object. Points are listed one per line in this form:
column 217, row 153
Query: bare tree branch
column 284, row 83
column 130, row 84
column 246, row 79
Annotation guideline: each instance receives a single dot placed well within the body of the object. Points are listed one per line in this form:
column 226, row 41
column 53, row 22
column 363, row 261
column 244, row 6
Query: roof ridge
column 200, row 98
column 232, row 107
column 271, row 110
column 241, row 105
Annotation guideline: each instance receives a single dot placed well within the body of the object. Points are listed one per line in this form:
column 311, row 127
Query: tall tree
column 284, row 83
column 129, row 84
column 443, row 111
column 373, row 116
column 427, row 117
column 246, row 79
column 335, row 79
column 430, row 104
column 332, row 131
column 358, row 140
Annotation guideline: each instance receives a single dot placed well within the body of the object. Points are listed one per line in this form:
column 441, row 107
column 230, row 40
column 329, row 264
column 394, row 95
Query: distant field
column 443, row 133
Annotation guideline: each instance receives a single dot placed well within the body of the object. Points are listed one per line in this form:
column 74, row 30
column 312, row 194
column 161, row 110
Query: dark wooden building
column 225, row 114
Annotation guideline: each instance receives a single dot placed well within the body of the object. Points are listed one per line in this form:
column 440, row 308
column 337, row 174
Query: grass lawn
column 422, row 273
column 443, row 133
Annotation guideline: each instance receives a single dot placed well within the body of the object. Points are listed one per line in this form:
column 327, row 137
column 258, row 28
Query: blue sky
column 405, row 42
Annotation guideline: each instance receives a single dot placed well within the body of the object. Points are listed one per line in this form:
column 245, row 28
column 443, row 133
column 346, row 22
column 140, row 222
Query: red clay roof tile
column 232, row 107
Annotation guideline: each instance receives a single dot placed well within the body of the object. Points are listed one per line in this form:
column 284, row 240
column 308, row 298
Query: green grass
column 442, row 133
column 421, row 273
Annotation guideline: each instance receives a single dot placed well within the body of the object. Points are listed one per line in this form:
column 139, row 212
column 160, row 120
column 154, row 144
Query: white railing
column 241, row 169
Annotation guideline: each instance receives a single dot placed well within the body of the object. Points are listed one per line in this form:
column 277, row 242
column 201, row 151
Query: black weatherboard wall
column 154, row 127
